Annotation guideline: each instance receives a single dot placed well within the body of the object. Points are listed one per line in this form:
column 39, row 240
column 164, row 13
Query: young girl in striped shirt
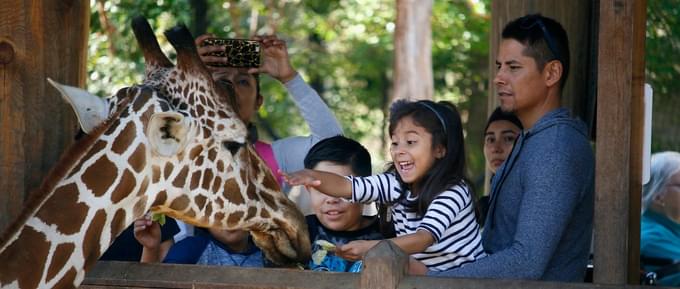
column 432, row 210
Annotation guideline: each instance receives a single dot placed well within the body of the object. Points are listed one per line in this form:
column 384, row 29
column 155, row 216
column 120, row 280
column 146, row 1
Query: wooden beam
column 136, row 275
column 45, row 39
column 619, row 141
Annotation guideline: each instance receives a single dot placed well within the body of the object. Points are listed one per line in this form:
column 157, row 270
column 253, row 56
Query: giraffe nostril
column 232, row 146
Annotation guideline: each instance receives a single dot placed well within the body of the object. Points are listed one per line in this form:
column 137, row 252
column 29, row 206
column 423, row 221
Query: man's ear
column 552, row 72
column 168, row 133
column 259, row 101
column 439, row 152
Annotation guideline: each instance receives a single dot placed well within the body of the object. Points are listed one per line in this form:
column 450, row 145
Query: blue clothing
column 331, row 262
column 126, row 248
column 660, row 238
column 205, row 250
column 539, row 224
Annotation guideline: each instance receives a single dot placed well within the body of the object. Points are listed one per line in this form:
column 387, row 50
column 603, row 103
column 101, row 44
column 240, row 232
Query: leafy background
column 344, row 49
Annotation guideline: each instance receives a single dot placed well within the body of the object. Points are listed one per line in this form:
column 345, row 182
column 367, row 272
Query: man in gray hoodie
column 539, row 224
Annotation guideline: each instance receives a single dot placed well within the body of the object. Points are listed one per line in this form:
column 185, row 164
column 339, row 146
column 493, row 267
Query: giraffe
column 172, row 144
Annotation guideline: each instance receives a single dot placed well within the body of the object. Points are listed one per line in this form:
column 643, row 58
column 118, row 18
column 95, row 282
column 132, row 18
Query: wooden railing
column 384, row 268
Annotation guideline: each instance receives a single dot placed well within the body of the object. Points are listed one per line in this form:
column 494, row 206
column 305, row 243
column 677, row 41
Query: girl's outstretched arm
column 410, row 243
column 328, row 183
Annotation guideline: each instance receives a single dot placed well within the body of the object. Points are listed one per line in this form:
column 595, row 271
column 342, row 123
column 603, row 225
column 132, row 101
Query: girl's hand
column 355, row 250
column 205, row 50
column 275, row 60
column 416, row 267
column 301, row 178
column 147, row 232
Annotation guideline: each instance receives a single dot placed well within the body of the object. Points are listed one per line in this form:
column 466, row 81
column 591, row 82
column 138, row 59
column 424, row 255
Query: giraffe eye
column 232, row 146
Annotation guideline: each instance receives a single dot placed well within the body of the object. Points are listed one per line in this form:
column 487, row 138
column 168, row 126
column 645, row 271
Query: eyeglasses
column 530, row 23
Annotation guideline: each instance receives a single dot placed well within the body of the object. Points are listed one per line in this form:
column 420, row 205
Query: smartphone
column 239, row 52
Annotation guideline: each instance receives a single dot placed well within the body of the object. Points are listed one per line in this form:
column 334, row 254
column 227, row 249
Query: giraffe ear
column 90, row 109
column 168, row 132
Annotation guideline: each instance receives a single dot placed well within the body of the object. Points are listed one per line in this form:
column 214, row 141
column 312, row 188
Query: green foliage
column 662, row 56
column 343, row 48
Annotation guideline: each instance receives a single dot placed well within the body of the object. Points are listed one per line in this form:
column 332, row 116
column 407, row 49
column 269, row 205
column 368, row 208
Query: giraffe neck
column 65, row 227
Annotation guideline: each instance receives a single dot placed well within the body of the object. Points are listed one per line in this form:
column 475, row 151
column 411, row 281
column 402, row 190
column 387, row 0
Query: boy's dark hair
column 545, row 40
column 342, row 151
column 443, row 122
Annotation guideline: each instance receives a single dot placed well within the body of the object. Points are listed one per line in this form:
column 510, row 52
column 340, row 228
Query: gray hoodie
column 540, row 217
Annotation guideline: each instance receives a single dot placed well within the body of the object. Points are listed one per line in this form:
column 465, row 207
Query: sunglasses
column 530, row 23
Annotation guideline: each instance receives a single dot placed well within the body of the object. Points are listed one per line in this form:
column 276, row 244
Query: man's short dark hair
column 342, row 151
column 545, row 40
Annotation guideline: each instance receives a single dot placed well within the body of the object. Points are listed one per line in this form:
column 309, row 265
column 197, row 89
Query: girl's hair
column 442, row 120
column 663, row 166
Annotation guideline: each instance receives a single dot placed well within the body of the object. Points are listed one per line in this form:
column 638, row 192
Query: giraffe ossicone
column 172, row 144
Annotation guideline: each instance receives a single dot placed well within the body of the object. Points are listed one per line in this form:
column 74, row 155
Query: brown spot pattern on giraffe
column 68, row 279
column 252, row 212
column 155, row 174
column 234, row 219
column 200, row 201
column 232, row 192
column 181, row 178
column 91, row 239
column 96, row 148
column 160, row 198
column 61, row 255
column 207, row 179
column 270, row 201
column 100, row 176
column 64, row 199
column 118, row 223
column 138, row 158
column 143, row 186
column 139, row 208
column 124, row 187
column 167, row 171
column 195, row 178
column 180, row 203
column 33, row 248
column 195, row 152
column 217, row 185
column 122, row 142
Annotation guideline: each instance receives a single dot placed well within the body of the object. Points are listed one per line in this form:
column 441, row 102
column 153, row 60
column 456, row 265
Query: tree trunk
column 413, row 50
column 38, row 39
column 200, row 8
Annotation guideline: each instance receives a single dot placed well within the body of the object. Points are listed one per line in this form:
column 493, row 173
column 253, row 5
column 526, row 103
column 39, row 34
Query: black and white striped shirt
column 450, row 218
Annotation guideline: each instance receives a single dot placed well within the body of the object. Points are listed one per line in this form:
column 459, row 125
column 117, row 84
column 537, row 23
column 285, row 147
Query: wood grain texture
column 413, row 51
column 619, row 146
column 49, row 39
column 384, row 266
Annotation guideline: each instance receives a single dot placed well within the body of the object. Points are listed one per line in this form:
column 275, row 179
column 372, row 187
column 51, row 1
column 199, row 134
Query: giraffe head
column 187, row 150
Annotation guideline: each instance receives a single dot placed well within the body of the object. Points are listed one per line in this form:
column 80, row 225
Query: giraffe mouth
column 288, row 245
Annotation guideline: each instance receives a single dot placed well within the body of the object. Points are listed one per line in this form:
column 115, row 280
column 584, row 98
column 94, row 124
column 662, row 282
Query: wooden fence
column 384, row 268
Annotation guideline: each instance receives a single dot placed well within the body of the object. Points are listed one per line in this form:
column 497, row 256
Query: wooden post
column 413, row 51
column 38, row 39
column 619, row 141
column 384, row 266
